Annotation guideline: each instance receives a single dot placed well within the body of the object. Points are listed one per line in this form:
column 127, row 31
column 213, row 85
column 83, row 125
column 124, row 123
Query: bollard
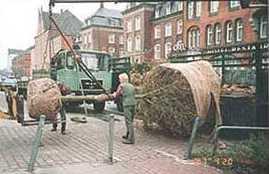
column 36, row 143
column 194, row 130
column 111, row 137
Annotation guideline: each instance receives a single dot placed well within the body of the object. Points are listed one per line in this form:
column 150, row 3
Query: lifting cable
column 76, row 57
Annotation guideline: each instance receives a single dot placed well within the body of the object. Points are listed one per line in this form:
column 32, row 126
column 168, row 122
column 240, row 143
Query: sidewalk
column 84, row 150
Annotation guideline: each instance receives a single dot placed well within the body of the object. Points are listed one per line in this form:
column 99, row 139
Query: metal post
column 216, row 135
column 222, row 69
column 193, row 133
column 111, row 137
column 36, row 143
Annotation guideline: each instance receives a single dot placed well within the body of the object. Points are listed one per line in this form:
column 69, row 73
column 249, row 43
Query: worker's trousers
column 129, row 112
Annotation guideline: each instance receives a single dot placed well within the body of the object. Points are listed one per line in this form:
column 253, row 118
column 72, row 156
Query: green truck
column 64, row 69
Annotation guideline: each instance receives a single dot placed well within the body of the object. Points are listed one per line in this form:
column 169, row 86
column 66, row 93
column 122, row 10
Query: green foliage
column 246, row 157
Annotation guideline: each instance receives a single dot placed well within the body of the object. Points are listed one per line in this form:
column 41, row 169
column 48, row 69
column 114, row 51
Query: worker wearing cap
column 127, row 92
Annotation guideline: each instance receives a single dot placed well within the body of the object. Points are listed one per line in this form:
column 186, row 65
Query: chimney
column 101, row 5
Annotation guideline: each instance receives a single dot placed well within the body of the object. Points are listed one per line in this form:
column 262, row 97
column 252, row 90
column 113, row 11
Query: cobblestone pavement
column 84, row 150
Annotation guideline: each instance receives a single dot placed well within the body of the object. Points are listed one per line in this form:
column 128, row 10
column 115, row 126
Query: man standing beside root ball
column 127, row 91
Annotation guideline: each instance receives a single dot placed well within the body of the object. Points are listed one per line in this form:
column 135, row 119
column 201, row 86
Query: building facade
column 48, row 40
column 103, row 31
column 189, row 26
column 22, row 65
column 210, row 24
column 12, row 53
column 138, row 31
column 168, row 33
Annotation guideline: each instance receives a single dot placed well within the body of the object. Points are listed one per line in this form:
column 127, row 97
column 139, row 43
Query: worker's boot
column 130, row 139
column 54, row 127
column 63, row 132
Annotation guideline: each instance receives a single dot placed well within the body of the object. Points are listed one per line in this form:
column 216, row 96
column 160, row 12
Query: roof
column 130, row 8
column 105, row 17
column 67, row 22
column 15, row 51
column 110, row 13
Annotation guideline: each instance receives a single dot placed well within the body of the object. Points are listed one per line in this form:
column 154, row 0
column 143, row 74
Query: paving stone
column 85, row 150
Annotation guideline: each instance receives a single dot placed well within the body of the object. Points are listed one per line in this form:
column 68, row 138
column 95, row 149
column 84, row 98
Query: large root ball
column 176, row 93
column 43, row 98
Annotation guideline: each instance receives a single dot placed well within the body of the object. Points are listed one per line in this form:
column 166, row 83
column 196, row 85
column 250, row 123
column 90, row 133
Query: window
column 111, row 50
column 70, row 63
column 179, row 26
column 168, row 49
column 85, row 39
column 229, row 32
column 137, row 43
column 168, row 8
column 111, row 38
column 217, row 34
column 234, row 4
column 239, row 30
column 209, row 33
column 90, row 60
column 180, row 6
column 213, row 6
column 121, row 39
column 129, row 44
column 190, row 10
column 157, row 32
column 194, row 9
column 194, row 38
column 263, row 27
column 158, row 10
column 157, row 51
column 129, row 26
column 89, row 37
column 137, row 23
column 121, row 52
column 168, row 29
column 198, row 8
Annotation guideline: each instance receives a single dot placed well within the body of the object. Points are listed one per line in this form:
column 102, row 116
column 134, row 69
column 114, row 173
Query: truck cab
column 104, row 68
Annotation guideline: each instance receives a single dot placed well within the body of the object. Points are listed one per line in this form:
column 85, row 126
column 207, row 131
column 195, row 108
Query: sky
column 19, row 21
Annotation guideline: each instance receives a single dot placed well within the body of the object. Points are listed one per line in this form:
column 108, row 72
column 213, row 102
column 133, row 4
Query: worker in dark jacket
column 127, row 92
column 64, row 91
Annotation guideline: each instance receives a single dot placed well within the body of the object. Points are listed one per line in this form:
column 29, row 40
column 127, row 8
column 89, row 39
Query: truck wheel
column 99, row 106
column 73, row 107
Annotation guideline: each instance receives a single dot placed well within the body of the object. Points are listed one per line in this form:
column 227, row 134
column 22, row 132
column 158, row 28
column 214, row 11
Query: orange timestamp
column 220, row 161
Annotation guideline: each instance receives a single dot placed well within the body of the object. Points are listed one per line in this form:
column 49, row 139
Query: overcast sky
column 19, row 21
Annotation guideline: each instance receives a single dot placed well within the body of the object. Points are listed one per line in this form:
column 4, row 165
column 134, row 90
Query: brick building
column 48, row 40
column 21, row 65
column 103, row 31
column 138, row 31
column 210, row 24
column 12, row 53
column 168, row 28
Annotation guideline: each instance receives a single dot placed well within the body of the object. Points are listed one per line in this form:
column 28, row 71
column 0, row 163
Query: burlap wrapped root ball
column 176, row 93
column 136, row 79
column 43, row 98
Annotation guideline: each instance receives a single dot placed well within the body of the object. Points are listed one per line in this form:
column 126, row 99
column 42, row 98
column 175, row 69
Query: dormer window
column 168, row 8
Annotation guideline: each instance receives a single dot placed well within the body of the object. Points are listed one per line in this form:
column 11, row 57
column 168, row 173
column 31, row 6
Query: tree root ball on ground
column 176, row 93
column 43, row 98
